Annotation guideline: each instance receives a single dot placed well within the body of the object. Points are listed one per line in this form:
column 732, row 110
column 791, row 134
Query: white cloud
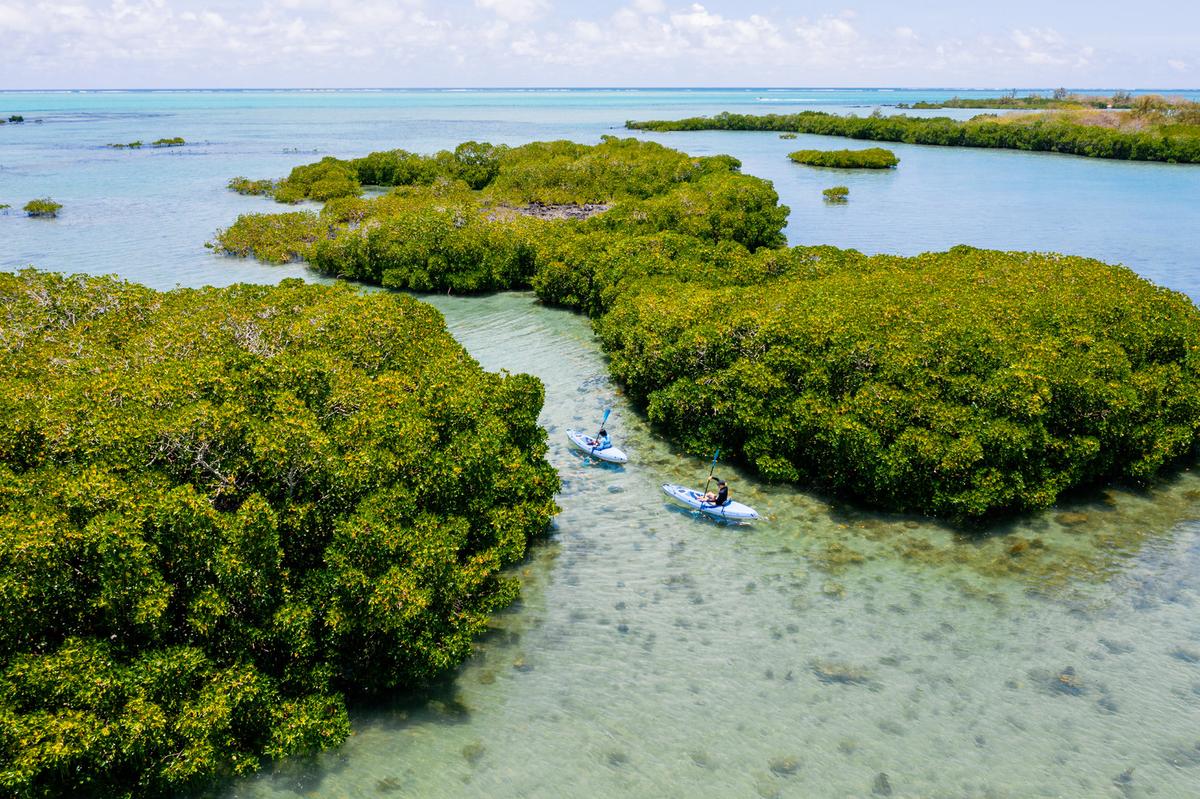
column 828, row 33
column 80, row 39
column 13, row 19
column 515, row 10
column 649, row 6
column 414, row 42
column 732, row 37
column 1046, row 47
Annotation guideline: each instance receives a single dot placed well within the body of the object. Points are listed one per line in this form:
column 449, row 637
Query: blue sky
column 361, row 43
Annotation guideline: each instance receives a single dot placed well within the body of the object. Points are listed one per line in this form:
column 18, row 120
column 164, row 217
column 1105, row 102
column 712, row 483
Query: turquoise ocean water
column 143, row 214
column 826, row 653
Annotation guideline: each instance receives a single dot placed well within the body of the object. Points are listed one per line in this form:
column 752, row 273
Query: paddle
column 603, row 422
column 712, row 468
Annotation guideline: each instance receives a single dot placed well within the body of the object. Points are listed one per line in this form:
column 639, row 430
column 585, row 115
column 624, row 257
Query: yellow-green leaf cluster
column 870, row 158
column 964, row 384
column 224, row 510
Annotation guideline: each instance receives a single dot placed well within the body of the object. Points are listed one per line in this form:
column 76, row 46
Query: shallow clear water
column 655, row 654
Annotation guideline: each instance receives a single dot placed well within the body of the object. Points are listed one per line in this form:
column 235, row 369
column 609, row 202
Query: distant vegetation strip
column 965, row 384
column 174, row 141
column 225, row 512
column 1162, row 139
column 870, row 158
column 1060, row 98
column 1186, row 110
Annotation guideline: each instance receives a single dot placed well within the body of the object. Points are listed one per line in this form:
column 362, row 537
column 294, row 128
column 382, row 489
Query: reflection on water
column 826, row 652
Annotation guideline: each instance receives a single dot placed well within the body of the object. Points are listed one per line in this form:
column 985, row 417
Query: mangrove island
column 964, row 384
column 227, row 512
column 1160, row 133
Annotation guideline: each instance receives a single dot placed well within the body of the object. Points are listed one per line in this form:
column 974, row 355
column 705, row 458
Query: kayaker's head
column 603, row 432
column 720, row 483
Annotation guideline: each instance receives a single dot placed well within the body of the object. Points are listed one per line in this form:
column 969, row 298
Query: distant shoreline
column 1161, row 139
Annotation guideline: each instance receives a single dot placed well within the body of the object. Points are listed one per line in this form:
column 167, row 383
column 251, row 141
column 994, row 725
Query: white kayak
column 588, row 444
column 730, row 511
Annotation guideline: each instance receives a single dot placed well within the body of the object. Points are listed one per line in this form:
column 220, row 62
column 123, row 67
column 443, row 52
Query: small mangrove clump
column 244, row 185
column 175, row 141
column 870, row 158
column 15, row 119
column 787, row 135
column 836, row 194
column 277, row 238
column 44, row 207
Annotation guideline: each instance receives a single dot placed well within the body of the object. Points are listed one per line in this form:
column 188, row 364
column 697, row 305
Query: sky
column 478, row 43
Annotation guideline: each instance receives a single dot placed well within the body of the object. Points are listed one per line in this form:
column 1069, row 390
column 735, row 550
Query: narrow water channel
column 826, row 652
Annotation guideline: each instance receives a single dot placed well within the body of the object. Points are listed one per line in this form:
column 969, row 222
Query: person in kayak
column 720, row 497
column 602, row 440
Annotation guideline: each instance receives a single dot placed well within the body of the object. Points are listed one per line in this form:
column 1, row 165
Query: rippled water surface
column 827, row 652
column 656, row 654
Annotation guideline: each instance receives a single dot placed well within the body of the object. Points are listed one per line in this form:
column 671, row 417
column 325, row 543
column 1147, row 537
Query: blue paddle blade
column 716, row 455
column 604, row 421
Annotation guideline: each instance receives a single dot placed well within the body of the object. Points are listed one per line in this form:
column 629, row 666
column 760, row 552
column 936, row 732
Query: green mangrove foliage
column 963, row 384
column 959, row 384
column 1040, row 132
column 324, row 180
column 474, row 163
column 175, row 141
column 277, row 238
column 224, row 510
column 444, row 234
column 1059, row 99
column 836, row 194
column 1008, row 101
column 870, row 158
column 556, row 172
column 243, row 185
column 45, row 207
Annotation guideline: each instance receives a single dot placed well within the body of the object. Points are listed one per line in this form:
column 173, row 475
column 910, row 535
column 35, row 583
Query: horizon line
column 747, row 87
